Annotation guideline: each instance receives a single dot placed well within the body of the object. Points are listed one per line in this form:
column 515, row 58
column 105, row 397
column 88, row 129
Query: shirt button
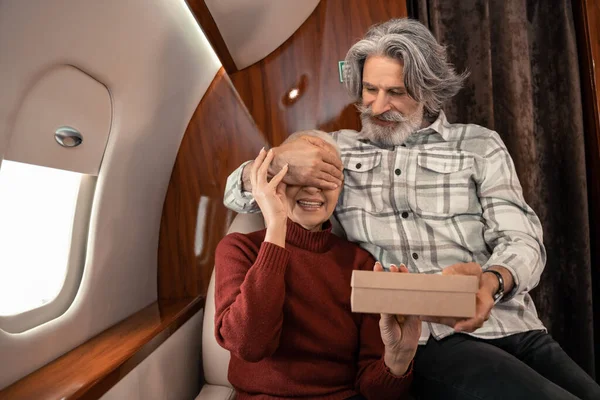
column 358, row 165
column 404, row 214
column 397, row 171
column 415, row 256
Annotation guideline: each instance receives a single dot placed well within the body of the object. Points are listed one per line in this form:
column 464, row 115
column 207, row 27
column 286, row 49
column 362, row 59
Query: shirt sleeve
column 249, row 297
column 512, row 229
column 235, row 199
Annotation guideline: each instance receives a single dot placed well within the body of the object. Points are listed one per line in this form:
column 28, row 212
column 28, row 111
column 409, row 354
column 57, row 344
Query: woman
column 283, row 305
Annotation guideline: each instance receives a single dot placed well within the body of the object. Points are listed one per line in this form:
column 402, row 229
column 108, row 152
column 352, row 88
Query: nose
column 381, row 103
column 311, row 189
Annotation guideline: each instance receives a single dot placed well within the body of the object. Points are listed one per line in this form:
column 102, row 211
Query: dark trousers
column 527, row 366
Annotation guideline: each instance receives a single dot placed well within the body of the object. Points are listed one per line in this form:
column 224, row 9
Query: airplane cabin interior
column 121, row 120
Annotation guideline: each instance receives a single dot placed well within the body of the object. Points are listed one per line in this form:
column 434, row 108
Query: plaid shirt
column 449, row 195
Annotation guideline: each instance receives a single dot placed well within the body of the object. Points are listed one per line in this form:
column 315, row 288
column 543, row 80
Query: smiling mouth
column 310, row 205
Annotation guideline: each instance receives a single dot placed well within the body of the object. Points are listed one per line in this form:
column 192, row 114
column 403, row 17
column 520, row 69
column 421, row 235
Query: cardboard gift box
column 414, row 294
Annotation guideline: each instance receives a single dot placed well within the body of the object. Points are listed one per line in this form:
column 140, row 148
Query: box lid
column 423, row 282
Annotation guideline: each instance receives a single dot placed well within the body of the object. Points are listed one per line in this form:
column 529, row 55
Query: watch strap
column 500, row 292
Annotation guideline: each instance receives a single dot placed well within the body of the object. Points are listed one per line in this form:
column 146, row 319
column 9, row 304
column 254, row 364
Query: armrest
column 91, row 369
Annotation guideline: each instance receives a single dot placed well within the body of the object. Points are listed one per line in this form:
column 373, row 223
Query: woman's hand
column 400, row 334
column 270, row 197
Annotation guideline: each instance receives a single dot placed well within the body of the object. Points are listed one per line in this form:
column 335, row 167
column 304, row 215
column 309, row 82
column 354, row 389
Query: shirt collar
column 440, row 125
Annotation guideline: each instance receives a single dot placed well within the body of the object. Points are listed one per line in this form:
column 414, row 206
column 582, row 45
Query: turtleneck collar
column 317, row 242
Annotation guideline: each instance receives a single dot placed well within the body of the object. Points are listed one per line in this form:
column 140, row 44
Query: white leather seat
column 215, row 359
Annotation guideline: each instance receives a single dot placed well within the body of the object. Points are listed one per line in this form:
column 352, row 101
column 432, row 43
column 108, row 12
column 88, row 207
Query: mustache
column 388, row 116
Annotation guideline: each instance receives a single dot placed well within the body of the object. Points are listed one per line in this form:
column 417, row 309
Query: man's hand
column 400, row 334
column 270, row 197
column 311, row 160
column 484, row 302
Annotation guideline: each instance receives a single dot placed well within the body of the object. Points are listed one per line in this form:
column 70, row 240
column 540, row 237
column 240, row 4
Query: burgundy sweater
column 284, row 314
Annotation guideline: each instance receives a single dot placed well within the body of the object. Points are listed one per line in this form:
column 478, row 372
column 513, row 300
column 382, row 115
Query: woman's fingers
column 412, row 328
column 280, row 190
column 393, row 268
column 261, row 176
column 386, row 319
column 258, row 161
column 279, row 177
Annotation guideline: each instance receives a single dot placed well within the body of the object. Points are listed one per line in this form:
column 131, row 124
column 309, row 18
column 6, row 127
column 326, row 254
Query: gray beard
column 394, row 135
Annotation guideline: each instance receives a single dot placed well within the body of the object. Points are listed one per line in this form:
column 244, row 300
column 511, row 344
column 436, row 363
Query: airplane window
column 37, row 209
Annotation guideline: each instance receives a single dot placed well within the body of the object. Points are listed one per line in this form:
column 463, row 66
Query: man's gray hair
column 429, row 78
column 316, row 133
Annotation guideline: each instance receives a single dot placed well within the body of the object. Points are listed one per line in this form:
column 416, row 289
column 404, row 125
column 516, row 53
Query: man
column 439, row 198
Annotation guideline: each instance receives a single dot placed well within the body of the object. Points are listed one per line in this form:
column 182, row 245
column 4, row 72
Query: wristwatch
column 500, row 292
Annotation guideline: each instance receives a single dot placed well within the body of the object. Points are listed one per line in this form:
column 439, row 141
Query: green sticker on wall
column 341, row 70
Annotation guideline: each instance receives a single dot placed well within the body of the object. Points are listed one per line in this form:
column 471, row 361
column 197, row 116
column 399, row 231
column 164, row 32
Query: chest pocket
column 363, row 182
column 443, row 182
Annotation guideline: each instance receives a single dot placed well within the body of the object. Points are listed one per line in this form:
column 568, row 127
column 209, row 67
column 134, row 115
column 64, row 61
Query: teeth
column 310, row 203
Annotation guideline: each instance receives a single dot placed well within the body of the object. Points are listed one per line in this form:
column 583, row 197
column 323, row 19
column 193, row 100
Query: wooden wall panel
column 222, row 133
column 220, row 136
column 308, row 61
column 587, row 24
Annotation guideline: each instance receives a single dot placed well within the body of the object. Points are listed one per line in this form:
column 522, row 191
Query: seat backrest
column 215, row 359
